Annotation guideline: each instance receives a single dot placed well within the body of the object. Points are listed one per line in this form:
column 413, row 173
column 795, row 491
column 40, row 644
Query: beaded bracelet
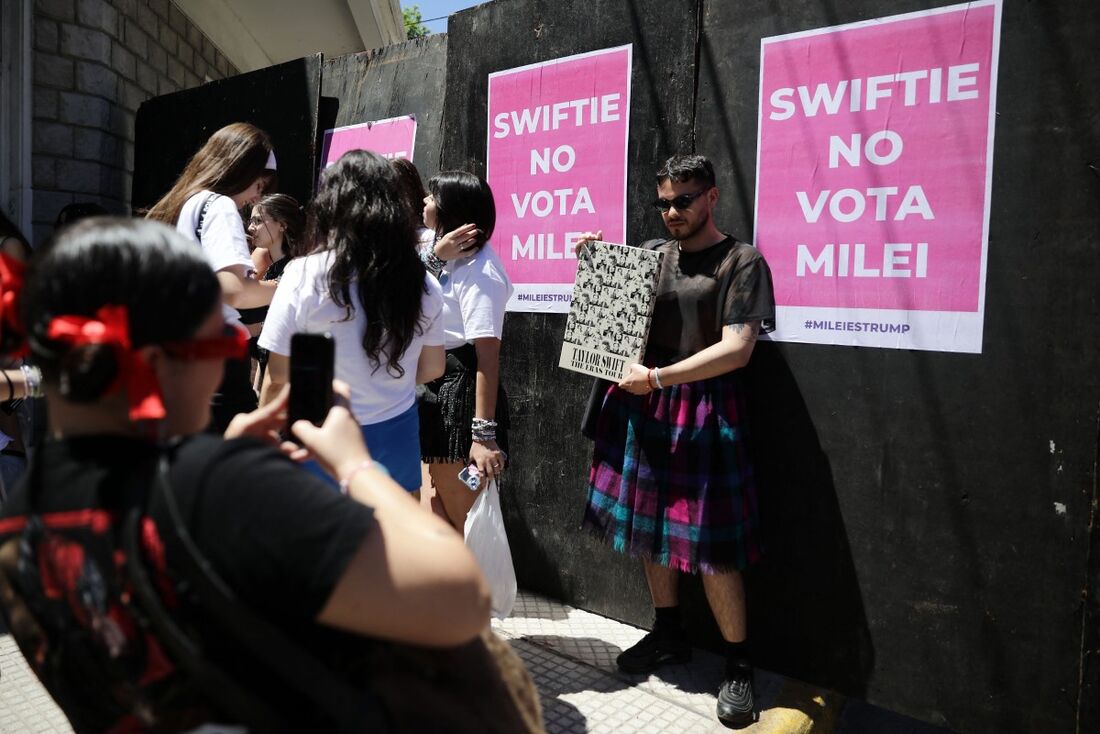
column 345, row 483
column 32, row 380
column 483, row 430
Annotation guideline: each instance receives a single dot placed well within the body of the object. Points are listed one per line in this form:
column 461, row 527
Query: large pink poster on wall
column 392, row 138
column 556, row 161
column 873, row 178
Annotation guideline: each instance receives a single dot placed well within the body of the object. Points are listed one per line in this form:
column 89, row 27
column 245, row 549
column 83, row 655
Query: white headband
column 271, row 162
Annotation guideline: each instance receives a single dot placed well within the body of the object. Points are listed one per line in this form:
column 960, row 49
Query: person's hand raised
column 337, row 445
column 457, row 243
column 584, row 239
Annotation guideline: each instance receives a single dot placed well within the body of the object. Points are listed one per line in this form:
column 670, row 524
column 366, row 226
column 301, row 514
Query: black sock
column 737, row 655
column 667, row 621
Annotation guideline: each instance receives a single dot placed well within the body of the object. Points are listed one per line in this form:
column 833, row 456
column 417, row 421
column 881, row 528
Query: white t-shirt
column 223, row 240
column 302, row 304
column 475, row 292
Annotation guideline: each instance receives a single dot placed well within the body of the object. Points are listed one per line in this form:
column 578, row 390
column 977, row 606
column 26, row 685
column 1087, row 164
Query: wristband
column 657, row 378
column 32, row 380
column 11, row 387
column 649, row 380
column 345, row 483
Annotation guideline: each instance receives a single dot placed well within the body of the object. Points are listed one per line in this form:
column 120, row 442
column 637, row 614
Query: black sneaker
column 653, row 651
column 735, row 704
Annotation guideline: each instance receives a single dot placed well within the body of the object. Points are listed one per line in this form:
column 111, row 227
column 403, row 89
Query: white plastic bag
column 486, row 539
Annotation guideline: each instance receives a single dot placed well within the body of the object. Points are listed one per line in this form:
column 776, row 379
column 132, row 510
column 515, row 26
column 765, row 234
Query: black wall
column 281, row 100
column 916, row 556
column 544, row 495
column 941, row 471
column 404, row 79
column 915, row 553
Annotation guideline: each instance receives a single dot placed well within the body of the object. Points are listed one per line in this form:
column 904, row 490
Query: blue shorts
column 393, row 443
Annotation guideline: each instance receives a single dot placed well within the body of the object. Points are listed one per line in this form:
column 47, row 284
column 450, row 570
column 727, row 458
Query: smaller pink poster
column 556, row 161
column 875, row 160
column 391, row 138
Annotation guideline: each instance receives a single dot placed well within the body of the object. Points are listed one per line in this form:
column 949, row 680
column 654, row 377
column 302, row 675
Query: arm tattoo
column 747, row 332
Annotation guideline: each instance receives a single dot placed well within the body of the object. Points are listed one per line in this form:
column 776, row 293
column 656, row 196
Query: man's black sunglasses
column 681, row 202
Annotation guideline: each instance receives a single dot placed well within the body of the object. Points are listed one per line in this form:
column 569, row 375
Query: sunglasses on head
column 232, row 344
column 681, row 202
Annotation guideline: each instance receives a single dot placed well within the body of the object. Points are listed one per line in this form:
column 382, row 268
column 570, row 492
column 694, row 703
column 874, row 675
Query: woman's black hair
column 360, row 213
column 463, row 198
column 411, row 185
column 163, row 280
column 286, row 210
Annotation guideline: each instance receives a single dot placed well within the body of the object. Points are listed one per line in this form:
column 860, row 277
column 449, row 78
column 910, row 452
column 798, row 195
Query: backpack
column 90, row 601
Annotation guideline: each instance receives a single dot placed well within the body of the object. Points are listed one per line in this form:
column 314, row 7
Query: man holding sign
column 671, row 481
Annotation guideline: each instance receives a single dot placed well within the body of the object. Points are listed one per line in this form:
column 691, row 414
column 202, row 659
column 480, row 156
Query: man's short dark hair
column 683, row 168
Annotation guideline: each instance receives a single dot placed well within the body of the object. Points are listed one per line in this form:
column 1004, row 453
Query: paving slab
column 571, row 655
column 607, row 700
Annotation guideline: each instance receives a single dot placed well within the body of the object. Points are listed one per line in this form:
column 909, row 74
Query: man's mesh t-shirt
column 700, row 292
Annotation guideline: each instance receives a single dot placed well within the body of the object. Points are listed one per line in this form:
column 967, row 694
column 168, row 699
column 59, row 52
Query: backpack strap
column 355, row 710
column 224, row 691
column 202, row 216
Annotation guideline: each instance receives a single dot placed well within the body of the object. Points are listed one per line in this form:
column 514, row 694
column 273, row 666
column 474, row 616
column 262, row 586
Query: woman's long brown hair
column 230, row 161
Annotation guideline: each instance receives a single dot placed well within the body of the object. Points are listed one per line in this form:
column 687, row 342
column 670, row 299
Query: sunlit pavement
column 571, row 654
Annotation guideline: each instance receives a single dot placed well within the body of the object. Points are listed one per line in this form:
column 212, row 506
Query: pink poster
column 392, row 138
column 873, row 178
column 556, row 162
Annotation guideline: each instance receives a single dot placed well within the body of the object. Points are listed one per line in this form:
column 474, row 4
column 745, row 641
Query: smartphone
column 471, row 477
column 312, row 358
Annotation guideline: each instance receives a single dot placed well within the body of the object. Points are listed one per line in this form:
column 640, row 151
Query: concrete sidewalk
column 571, row 654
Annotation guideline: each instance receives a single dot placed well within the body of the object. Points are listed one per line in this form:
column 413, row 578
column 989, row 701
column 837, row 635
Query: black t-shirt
column 700, row 292
column 279, row 537
column 274, row 272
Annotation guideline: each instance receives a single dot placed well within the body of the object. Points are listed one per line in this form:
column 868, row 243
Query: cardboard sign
column 873, row 178
column 556, row 161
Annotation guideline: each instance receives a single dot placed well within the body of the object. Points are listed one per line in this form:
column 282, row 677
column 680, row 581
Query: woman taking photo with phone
column 463, row 414
column 128, row 498
column 365, row 285
column 231, row 171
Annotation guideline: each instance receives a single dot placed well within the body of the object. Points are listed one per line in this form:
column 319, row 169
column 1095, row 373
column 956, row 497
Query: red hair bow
column 111, row 326
column 11, row 285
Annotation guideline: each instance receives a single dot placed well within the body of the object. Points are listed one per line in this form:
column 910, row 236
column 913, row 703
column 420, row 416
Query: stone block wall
column 95, row 62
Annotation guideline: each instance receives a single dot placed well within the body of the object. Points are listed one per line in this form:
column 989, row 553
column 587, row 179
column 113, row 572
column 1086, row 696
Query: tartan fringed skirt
column 671, row 480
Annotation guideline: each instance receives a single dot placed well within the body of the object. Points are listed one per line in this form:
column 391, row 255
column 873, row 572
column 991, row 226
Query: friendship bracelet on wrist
column 11, row 387
column 657, row 378
column 649, row 380
column 483, row 430
column 345, row 483
column 433, row 261
column 32, row 381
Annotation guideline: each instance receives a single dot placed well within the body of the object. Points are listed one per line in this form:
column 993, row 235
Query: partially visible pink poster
column 391, row 138
column 556, row 162
column 874, row 165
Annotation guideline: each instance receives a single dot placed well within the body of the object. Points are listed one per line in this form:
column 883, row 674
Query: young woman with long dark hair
column 230, row 171
column 124, row 318
column 365, row 284
column 463, row 414
column 275, row 232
